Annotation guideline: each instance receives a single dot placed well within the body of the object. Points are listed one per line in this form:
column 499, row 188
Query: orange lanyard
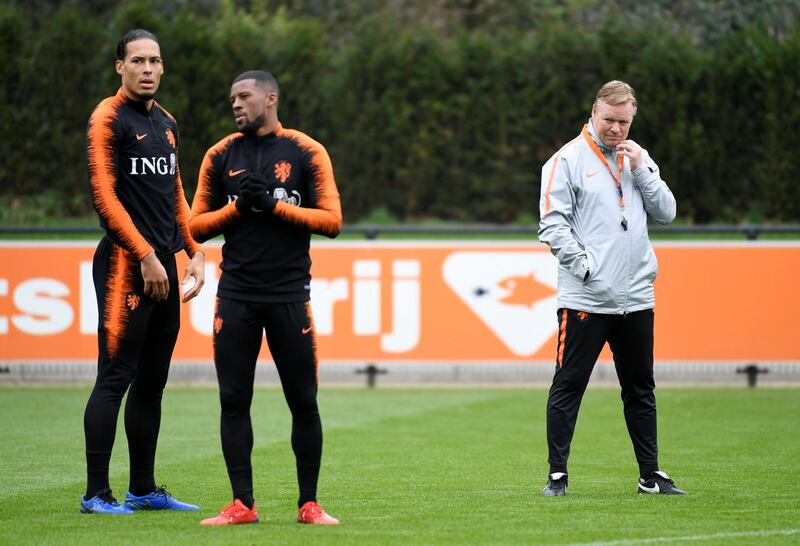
column 616, row 176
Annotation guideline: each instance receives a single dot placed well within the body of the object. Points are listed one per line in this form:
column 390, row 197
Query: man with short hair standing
column 267, row 189
column 597, row 194
column 132, row 149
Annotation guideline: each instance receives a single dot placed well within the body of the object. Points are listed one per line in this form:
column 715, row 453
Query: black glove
column 244, row 200
column 252, row 194
column 257, row 193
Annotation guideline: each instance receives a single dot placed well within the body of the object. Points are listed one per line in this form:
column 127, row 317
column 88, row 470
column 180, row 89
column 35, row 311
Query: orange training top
column 134, row 177
column 266, row 255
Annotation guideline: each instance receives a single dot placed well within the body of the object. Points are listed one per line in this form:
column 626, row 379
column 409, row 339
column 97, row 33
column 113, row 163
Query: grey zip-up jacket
column 581, row 221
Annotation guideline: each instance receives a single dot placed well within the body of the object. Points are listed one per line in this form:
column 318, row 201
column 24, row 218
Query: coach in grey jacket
column 597, row 194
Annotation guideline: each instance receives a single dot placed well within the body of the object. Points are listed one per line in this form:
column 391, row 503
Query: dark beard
column 253, row 126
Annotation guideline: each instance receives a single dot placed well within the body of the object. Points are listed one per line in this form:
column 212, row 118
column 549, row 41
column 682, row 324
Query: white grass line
column 687, row 538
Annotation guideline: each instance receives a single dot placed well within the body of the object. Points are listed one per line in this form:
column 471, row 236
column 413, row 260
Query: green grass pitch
column 423, row 466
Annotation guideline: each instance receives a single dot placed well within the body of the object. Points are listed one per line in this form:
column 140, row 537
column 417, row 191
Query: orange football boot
column 233, row 513
column 312, row 513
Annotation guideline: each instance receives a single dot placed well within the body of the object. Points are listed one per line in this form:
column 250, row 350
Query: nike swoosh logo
column 140, row 505
column 589, row 175
column 653, row 489
column 141, row 137
column 306, row 330
column 233, row 173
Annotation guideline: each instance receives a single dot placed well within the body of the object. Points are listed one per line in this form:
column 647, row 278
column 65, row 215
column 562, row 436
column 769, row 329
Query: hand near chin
column 632, row 151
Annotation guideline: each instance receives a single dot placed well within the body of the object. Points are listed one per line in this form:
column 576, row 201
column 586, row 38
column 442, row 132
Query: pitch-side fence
column 374, row 231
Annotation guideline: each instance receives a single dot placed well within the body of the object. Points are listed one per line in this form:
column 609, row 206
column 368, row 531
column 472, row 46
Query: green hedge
column 446, row 116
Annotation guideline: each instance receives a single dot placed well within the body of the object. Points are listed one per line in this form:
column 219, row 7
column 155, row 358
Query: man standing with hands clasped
column 266, row 189
column 597, row 194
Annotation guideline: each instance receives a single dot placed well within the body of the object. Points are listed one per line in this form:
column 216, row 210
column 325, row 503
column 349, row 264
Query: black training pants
column 136, row 336
column 581, row 338
column 238, row 330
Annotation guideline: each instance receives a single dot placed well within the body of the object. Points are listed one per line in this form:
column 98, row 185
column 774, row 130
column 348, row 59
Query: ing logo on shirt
column 283, row 170
column 171, row 138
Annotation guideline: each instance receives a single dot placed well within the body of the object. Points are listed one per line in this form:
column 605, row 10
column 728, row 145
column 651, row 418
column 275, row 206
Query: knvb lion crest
column 171, row 138
column 217, row 324
column 283, row 170
column 132, row 301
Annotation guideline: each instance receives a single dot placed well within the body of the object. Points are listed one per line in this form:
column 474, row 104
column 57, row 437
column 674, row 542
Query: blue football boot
column 104, row 503
column 160, row 499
